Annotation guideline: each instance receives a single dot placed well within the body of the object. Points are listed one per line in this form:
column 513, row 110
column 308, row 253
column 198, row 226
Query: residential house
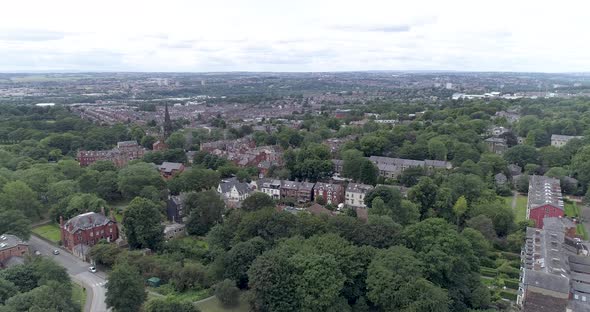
column 555, row 269
column 270, row 187
column 305, row 192
column 85, row 230
column 11, row 247
column 233, row 190
column 333, row 194
column 544, row 199
column 558, row 140
column 170, row 169
column 175, row 208
column 355, row 195
column 496, row 145
column 514, row 170
column 289, row 189
column 392, row 167
column 500, row 179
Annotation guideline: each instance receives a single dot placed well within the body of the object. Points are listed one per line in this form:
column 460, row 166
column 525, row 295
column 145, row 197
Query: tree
column 388, row 194
column 411, row 176
column 318, row 281
column 273, row 284
column 237, row 261
column 227, row 293
column 7, row 290
column 522, row 155
column 14, row 222
column 20, row 197
column 125, row 289
column 484, row 225
column 142, row 224
column 424, row 193
column 191, row 276
column 522, row 183
column 395, row 282
column 133, row 178
column 169, row 305
column 103, row 165
column 437, row 149
column 460, row 208
column 176, row 140
column 105, row 254
column 70, row 168
column 204, row 210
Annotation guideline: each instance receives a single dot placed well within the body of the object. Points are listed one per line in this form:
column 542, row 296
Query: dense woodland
column 422, row 252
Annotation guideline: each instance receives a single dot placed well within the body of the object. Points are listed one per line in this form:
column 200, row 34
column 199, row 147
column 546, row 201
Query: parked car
column 37, row 253
column 56, row 252
column 92, row 269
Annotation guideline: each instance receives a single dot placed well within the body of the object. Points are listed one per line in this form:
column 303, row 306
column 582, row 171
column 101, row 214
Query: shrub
column 227, row 292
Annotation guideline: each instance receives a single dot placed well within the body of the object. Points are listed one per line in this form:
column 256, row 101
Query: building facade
column 558, row 140
column 355, row 195
column 85, row 230
column 120, row 155
column 544, row 199
column 11, row 246
column 333, row 194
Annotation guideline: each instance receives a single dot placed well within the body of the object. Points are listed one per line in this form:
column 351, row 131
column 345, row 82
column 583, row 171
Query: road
column 78, row 271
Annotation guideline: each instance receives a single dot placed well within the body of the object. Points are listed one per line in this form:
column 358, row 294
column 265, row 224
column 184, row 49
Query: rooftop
column 544, row 190
column 86, row 221
column 9, row 241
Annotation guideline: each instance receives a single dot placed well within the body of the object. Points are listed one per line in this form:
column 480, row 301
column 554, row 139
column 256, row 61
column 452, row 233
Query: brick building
column 169, row 169
column 11, row 247
column 120, row 155
column 544, row 199
column 84, row 231
column 333, row 194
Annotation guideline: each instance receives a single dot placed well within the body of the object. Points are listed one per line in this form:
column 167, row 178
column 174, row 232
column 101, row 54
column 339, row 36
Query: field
column 213, row 305
column 571, row 210
column 520, row 209
column 48, row 231
column 79, row 295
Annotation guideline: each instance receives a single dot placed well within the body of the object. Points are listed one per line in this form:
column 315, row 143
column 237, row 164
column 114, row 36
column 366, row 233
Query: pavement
column 94, row 283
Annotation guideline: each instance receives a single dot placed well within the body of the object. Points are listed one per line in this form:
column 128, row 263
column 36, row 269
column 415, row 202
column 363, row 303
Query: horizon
column 306, row 36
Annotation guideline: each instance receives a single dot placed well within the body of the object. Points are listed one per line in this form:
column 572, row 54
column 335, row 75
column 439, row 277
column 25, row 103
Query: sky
column 294, row 36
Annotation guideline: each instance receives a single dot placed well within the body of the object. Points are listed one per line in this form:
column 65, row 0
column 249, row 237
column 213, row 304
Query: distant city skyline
column 294, row 36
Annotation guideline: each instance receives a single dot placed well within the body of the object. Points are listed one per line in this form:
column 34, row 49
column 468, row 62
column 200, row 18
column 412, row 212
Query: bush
column 508, row 295
column 488, row 272
column 227, row 293
column 511, row 283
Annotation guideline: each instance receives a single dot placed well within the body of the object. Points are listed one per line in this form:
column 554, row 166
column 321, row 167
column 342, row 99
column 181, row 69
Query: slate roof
column 8, row 241
column 544, row 190
column 358, row 188
column 560, row 137
column 168, row 167
column 86, row 221
column 227, row 185
column 547, row 281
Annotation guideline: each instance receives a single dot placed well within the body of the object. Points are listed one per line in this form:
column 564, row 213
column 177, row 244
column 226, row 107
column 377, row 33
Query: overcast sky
column 301, row 35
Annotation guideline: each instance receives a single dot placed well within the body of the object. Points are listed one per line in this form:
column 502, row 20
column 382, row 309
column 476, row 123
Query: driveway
column 78, row 271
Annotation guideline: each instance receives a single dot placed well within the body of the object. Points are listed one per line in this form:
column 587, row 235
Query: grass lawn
column 520, row 209
column 571, row 210
column 79, row 295
column 214, row 305
column 48, row 231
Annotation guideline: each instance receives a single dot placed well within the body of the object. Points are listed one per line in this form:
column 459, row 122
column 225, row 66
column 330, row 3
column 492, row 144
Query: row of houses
column 244, row 153
column 555, row 269
column 120, row 155
column 235, row 191
column 393, row 167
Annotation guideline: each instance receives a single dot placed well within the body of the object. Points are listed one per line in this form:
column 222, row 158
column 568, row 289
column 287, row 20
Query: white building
column 233, row 190
column 355, row 195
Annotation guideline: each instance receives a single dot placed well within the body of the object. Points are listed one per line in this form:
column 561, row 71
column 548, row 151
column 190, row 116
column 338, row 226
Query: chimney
column 102, row 211
column 61, row 221
column 112, row 215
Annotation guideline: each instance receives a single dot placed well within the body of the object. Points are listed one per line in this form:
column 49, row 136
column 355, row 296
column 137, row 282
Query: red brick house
column 169, row 169
column 10, row 247
column 544, row 199
column 332, row 193
column 120, row 155
column 84, row 231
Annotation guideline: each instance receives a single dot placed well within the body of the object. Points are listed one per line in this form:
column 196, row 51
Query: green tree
column 437, row 149
column 105, row 254
column 460, row 208
column 141, row 231
column 395, row 282
column 20, row 197
column 125, row 289
column 16, row 223
column 103, row 165
column 227, row 293
column 176, row 140
column 133, row 178
column 273, row 284
column 522, row 155
column 169, row 305
column 237, row 261
column 204, row 209
column 7, row 290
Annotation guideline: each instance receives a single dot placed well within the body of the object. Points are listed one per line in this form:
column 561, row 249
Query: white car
column 92, row 269
column 56, row 252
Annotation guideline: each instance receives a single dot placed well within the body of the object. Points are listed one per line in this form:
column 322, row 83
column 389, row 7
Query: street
column 78, row 270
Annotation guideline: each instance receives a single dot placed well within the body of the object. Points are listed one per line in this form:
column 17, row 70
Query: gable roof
column 8, row 241
column 169, row 166
column 227, row 185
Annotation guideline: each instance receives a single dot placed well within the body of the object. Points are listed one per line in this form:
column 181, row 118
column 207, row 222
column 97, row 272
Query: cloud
column 374, row 28
column 30, row 35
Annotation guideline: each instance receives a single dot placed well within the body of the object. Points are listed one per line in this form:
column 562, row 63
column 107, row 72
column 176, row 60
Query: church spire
column 167, row 122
